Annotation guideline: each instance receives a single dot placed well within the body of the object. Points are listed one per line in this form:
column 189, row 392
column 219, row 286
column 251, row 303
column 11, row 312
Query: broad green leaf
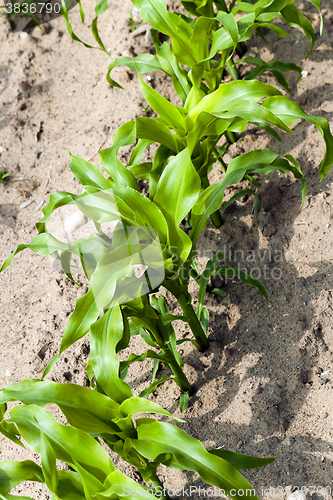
column 120, row 175
column 155, row 438
column 13, row 473
column 88, row 174
column 240, row 461
column 183, row 402
column 275, row 67
column 211, row 198
column 170, row 65
column 86, row 409
column 135, row 405
column 68, row 443
column 229, row 22
column 144, row 63
column 151, row 129
column 162, row 106
column 48, row 461
column 230, row 94
column 178, row 188
column 104, row 337
column 155, row 13
column 289, row 111
column 297, row 20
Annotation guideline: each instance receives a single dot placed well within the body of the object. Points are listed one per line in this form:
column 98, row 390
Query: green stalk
column 185, row 302
column 241, row 49
column 180, row 377
column 232, row 69
column 157, row 484
column 232, row 137
column 161, row 337
column 216, row 219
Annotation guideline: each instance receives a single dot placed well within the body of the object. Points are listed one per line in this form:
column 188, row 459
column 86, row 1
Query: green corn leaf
column 144, row 63
column 155, row 13
column 177, row 191
column 317, row 4
column 228, row 95
column 104, row 337
column 65, row 14
column 137, row 405
column 88, row 174
column 117, row 485
column 289, row 111
column 240, row 194
column 229, row 22
column 13, row 473
column 240, row 461
column 183, row 402
column 100, row 7
column 296, row 19
column 138, row 151
column 153, row 386
column 85, row 409
column 274, row 67
column 155, row 438
column 178, row 188
column 120, row 175
column 246, row 278
column 211, row 198
column 162, row 106
column 171, row 67
column 42, row 244
column 48, row 461
column 151, row 129
column 200, row 39
column 68, row 443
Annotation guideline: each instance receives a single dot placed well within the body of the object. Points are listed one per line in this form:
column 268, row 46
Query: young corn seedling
column 148, row 234
column 211, row 109
column 106, row 414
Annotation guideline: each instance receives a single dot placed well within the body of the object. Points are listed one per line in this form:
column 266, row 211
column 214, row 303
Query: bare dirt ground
column 265, row 386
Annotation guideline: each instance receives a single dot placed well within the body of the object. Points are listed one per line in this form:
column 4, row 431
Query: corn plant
column 205, row 45
column 106, row 414
column 148, row 233
column 94, row 418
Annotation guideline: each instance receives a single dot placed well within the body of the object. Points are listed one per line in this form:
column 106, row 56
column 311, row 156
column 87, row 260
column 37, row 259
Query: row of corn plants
column 149, row 234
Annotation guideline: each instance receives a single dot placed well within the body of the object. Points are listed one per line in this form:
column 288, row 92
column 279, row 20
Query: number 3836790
column 33, row 8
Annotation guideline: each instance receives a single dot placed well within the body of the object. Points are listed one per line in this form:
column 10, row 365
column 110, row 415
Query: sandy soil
column 265, row 386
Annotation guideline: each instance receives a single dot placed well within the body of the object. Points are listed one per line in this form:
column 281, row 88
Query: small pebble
column 324, row 415
column 40, row 205
column 323, row 381
column 240, row 444
column 127, row 53
column 297, row 495
column 259, row 390
column 25, row 37
column 281, row 382
column 2, row 150
column 304, row 74
column 26, row 204
column 286, row 442
column 74, row 222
